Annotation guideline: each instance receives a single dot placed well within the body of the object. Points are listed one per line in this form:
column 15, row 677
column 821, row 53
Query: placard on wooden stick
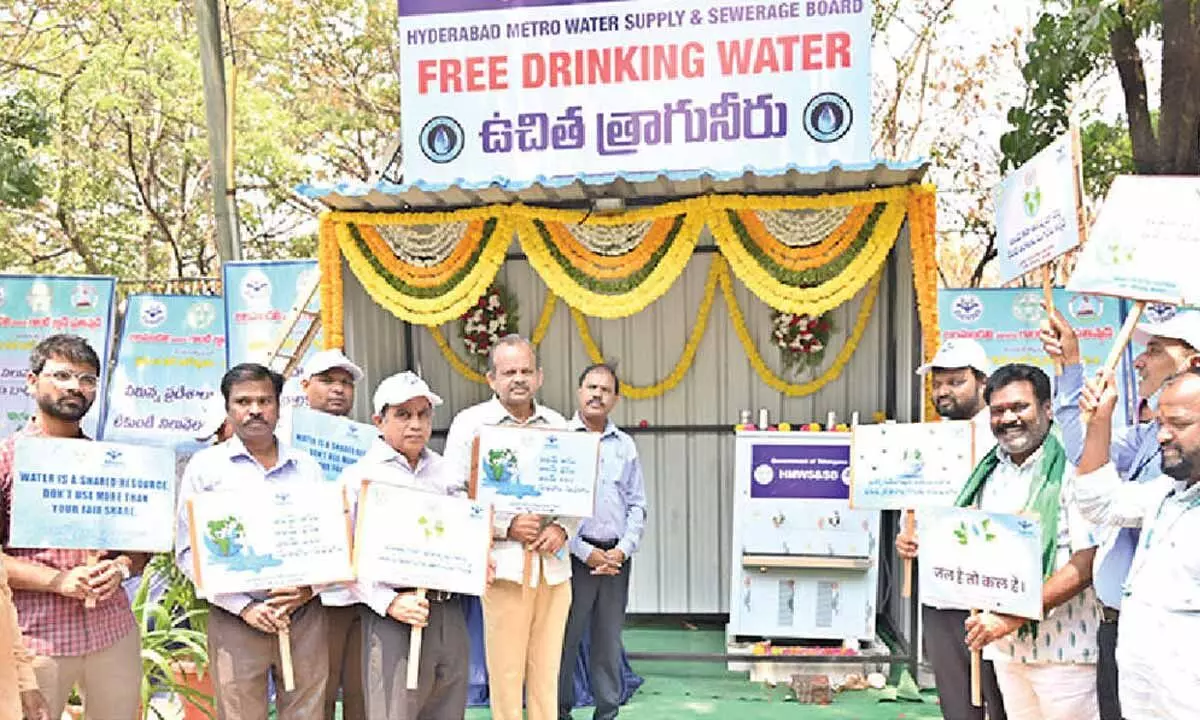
column 901, row 466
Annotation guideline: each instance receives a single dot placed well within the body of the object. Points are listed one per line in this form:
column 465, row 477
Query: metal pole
column 212, row 67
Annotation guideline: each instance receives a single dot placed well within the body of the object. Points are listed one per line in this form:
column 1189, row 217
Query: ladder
column 299, row 313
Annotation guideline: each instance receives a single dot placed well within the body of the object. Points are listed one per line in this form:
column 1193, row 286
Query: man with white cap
column 328, row 380
column 1171, row 347
column 403, row 407
column 959, row 372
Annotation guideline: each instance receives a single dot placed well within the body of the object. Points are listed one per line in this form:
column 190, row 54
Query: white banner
column 523, row 90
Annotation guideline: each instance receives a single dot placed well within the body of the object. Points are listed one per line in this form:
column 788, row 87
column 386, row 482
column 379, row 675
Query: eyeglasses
column 87, row 381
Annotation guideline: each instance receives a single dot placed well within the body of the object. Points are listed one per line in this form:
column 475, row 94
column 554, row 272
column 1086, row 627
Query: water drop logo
column 827, row 117
column 442, row 139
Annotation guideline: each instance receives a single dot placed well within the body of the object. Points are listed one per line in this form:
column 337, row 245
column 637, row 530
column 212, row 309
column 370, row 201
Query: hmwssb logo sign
column 967, row 308
column 442, row 139
column 828, row 117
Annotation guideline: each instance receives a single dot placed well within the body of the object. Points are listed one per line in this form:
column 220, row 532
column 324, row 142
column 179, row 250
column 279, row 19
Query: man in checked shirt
column 97, row 648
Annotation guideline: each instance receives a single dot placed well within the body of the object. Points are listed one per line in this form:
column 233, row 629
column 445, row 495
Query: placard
column 258, row 297
column 81, row 495
column 268, row 537
column 530, row 470
column 34, row 307
column 976, row 560
column 409, row 538
column 496, row 90
column 169, row 366
column 335, row 442
column 1145, row 243
column 1036, row 211
column 1007, row 323
column 899, row 466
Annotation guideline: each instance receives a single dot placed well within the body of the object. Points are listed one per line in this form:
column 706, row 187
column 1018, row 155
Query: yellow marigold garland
column 686, row 358
column 831, row 373
column 329, row 261
column 434, row 309
column 922, row 239
column 831, row 293
column 632, row 300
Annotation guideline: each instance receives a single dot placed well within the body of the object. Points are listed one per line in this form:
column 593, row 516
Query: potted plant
column 172, row 622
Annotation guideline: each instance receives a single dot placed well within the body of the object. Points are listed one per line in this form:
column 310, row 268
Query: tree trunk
column 1179, row 116
column 1133, row 83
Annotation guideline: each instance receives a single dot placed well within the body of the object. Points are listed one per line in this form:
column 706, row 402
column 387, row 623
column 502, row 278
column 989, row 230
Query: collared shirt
column 1134, row 452
column 1067, row 634
column 1160, row 615
column 230, row 466
column 384, row 464
column 509, row 554
column 53, row 624
column 620, row 512
column 16, row 669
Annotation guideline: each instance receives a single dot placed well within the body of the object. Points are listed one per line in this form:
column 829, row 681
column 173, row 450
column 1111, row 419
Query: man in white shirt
column 404, row 406
column 960, row 370
column 523, row 630
column 243, row 629
column 328, row 381
column 1160, row 623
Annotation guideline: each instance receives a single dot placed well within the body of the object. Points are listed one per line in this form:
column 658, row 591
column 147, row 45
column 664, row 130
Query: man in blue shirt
column 1171, row 347
column 600, row 551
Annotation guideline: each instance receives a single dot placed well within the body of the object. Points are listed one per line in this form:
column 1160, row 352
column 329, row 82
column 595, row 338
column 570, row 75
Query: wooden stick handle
column 1114, row 355
column 976, row 674
column 93, row 559
column 285, row 659
column 414, row 650
column 1048, row 294
column 910, row 527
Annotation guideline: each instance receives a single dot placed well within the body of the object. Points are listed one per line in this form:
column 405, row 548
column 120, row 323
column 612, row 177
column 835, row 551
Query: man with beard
column 328, row 381
column 960, row 369
column 523, row 630
column 1160, row 625
column 1045, row 670
column 96, row 648
column 243, row 629
column 1170, row 348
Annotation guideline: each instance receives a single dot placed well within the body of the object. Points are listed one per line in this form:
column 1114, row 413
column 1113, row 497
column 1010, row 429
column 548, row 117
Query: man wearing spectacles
column 97, row 649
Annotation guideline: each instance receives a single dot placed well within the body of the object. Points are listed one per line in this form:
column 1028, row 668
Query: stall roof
column 634, row 188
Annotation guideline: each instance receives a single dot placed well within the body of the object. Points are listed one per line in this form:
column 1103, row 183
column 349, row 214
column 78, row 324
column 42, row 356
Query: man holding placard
column 1170, row 347
column 523, row 625
column 1159, row 678
column 244, row 629
column 1045, row 670
column 600, row 565
column 404, row 406
column 97, row 647
column 960, row 371
column 328, row 381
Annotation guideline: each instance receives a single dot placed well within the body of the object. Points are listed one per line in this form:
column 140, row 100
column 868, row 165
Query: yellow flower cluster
column 922, row 238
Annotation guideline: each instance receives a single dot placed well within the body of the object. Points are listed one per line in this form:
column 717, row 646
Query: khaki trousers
column 110, row 681
column 523, row 632
column 240, row 658
column 345, row 663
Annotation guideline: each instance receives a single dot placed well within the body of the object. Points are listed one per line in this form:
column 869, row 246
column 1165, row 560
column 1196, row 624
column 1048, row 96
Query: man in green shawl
column 1046, row 670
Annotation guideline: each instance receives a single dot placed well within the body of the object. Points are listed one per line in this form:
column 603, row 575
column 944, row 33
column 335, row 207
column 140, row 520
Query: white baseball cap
column 214, row 415
column 959, row 353
column 328, row 360
column 1184, row 325
column 400, row 388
